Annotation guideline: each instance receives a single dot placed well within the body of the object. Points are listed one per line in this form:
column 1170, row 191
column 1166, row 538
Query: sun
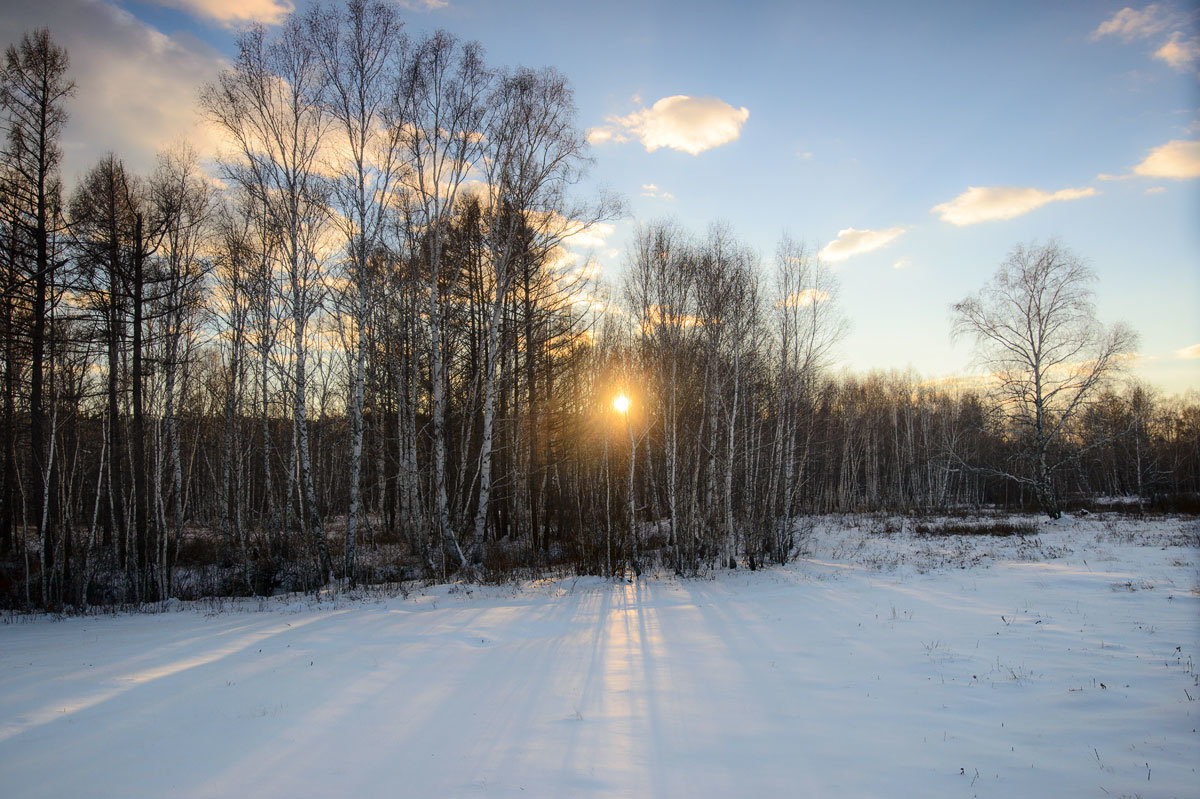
column 621, row 403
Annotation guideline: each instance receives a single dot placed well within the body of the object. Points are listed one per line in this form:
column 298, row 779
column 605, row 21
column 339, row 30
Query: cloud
column 688, row 124
column 990, row 203
column 803, row 299
column 234, row 13
column 580, row 236
column 903, row 263
column 1155, row 190
column 1189, row 352
column 961, row 382
column 598, row 136
column 651, row 190
column 1176, row 159
column 601, row 135
column 851, row 242
column 136, row 87
column 422, row 5
column 1179, row 52
column 1130, row 24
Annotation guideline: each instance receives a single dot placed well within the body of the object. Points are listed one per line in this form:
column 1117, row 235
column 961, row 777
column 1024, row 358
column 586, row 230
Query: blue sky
column 811, row 118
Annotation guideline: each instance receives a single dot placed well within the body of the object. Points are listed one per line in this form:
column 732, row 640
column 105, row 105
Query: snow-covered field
column 882, row 664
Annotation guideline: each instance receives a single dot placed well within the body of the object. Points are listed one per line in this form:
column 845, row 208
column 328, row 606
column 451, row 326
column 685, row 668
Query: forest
column 369, row 344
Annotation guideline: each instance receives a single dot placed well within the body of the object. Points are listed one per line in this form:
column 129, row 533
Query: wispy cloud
column 688, row 124
column 135, row 86
column 232, row 13
column 1155, row 190
column 1130, row 24
column 652, row 190
column 803, row 299
column 991, row 203
column 1189, row 352
column 603, row 135
column 235, row 13
column 1176, row 159
column 851, row 242
column 1179, row 52
column 422, row 5
column 580, row 236
column 902, row 263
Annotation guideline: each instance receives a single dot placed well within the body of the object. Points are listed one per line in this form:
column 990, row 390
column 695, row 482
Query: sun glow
column 621, row 403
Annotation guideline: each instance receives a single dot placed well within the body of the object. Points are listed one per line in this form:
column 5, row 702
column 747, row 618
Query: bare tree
column 1035, row 328
column 442, row 103
column 534, row 153
column 361, row 55
column 184, row 199
column 33, row 90
column 266, row 103
column 660, row 289
column 728, row 313
column 807, row 327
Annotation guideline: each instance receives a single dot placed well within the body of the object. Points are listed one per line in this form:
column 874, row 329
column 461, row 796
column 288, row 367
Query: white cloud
column 1179, row 52
column 652, row 190
column 597, row 136
column 803, row 299
column 561, row 260
column 580, row 236
column 1155, row 190
column 1130, row 24
column 422, row 5
column 851, row 242
column 689, row 124
column 1176, row 159
column 136, row 87
column 989, row 203
column 1189, row 352
column 232, row 13
column 805, row 155
column 903, row 263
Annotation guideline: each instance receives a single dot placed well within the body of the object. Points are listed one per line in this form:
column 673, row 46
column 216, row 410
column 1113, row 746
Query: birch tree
column 534, row 153
column 1035, row 329
column 807, row 326
column 266, row 104
column 660, row 288
column 361, row 53
column 185, row 200
column 442, row 103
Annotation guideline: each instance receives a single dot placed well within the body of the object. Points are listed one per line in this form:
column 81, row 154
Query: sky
column 912, row 145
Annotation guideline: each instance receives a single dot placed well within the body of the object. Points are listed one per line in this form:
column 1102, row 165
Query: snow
column 880, row 664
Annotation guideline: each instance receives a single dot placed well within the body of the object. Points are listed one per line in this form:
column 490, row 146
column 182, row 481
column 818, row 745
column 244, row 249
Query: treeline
column 366, row 352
